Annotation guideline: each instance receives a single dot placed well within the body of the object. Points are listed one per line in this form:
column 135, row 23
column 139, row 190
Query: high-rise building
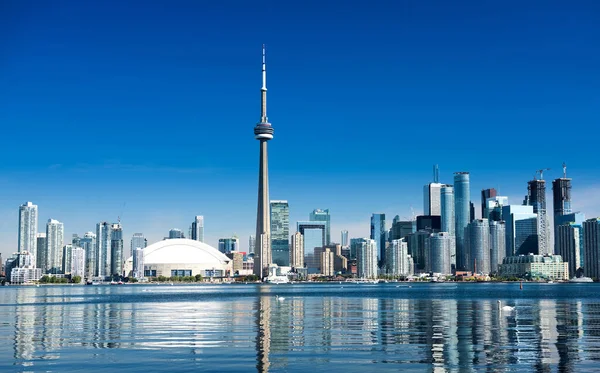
column 67, row 258
column 345, row 239
column 462, row 214
column 569, row 245
column 138, row 241
column 42, row 254
column 472, row 211
column 103, row 249
column 176, row 233
column 197, row 233
column 432, row 204
column 401, row 229
column 526, row 237
column 116, row 250
column 493, row 208
column 28, row 228
column 477, row 239
column 229, row 245
column 314, row 242
column 511, row 215
column 431, row 222
column 54, row 244
column 263, row 132
column 536, row 197
column 418, row 249
column 77, row 262
column 366, row 259
column 485, row 195
column 561, row 193
column 251, row 244
column 326, row 265
column 280, row 232
column 591, row 244
column 497, row 244
column 438, row 257
column 448, row 220
column 355, row 244
column 138, row 263
column 88, row 244
column 378, row 233
column 297, row 251
column 323, row 215
column 397, row 263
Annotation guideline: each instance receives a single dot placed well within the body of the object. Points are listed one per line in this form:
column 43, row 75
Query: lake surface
column 317, row 327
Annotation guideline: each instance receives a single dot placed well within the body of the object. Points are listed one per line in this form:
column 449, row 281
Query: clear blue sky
column 145, row 109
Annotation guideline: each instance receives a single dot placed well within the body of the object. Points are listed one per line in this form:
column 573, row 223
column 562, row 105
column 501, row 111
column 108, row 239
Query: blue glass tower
column 462, row 216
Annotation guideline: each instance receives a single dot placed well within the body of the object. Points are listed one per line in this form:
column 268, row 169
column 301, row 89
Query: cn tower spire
column 263, row 90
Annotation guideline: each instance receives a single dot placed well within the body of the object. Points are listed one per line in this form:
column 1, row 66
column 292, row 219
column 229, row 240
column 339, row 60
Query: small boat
column 120, row 283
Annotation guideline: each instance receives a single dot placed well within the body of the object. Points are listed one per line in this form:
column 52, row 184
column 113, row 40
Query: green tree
column 76, row 279
column 161, row 279
column 198, row 278
column 45, row 279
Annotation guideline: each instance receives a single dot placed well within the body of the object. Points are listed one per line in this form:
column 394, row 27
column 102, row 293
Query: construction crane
column 541, row 172
column 564, row 170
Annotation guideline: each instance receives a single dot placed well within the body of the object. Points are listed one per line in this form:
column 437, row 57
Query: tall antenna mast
column 564, row 170
column 436, row 174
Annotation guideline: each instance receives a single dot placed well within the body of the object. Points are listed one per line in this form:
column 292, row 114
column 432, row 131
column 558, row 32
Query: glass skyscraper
column 497, row 244
column 88, row 243
column 378, row 233
column 28, row 226
column 323, row 215
column 438, row 256
column 54, row 243
column 462, row 216
column 138, row 241
column 103, row 248
column 116, row 250
column 280, row 232
column 477, row 242
column 197, row 230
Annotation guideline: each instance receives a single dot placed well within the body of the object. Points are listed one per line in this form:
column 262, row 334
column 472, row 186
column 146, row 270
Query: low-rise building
column 535, row 266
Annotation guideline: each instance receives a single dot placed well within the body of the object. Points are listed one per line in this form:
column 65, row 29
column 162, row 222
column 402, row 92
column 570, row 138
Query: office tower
column 116, row 250
column 536, row 197
column 280, row 232
column 197, row 233
column 511, row 215
column 176, row 233
column 366, row 259
column 561, row 192
column 297, row 251
column 251, row 244
column 28, row 228
column 67, row 251
column 471, row 211
column 591, row 244
column 485, row 195
column 477, row 240
column 438, row 257
column 401, row 229
column 355, row 244
column 345, row 240
column 417, row 249
column 326, row 264
column 378, row 234
column 88, row 244
column 432, row 199
column 569, row 245
column 263, row 132
column 497, row 244
column 462, row 198
column 77, row 262
column 138, row 241
column 138, row 263
column 314, row 242
column 432, row 222
column 526, row 237
column 322, row 215
column 54, row 245
column 447, row 209
column 103, row 249
column 229, row 244
column 41, row 247
column 397, row 258
column 493, row 208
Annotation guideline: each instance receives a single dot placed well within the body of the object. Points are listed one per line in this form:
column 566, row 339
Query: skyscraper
column 485, row 194
column 591, row 244
column 251, row 244
column 536, row 197
column 77, row 262
column 138, row 263
column 397, row 259
column 432, row 199
column 366, row 259
column 462, row 198
column 116, row 250
column 28, row 228
column 449, row 220
column 493, row 208
column 263, row 132
column 66, row 258
column 103, row 249
column 378, row 233
column 326, row 262
column 477, row 240
column 438, row 256
column 198, row 228
column 88, row 244
column 41, row 247
column 280, row 232
column 55, row 240
column 322, row 215
column 229, row 244
column 345, row 241
column 176, row 233
column 513, row 214
column 138, row 241
column 569, row 245
column 561, row 193
column 297, row 251
column 313, row 233
column 497, row 244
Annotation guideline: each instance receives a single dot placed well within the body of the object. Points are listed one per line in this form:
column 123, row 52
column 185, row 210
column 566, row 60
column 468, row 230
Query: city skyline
column 152, row 193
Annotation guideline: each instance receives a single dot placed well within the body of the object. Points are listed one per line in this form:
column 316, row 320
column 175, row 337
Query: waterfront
column 322, row 327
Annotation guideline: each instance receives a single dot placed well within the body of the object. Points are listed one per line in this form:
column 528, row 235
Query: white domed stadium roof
column 183, row 250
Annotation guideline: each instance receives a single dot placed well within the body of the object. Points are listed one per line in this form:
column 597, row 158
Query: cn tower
column 263, row 132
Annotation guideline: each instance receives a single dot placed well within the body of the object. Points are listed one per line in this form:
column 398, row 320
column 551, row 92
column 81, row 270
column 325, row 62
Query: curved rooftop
column 183, row 250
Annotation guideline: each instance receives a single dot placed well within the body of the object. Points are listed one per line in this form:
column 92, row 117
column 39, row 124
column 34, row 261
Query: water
column 320, row 327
